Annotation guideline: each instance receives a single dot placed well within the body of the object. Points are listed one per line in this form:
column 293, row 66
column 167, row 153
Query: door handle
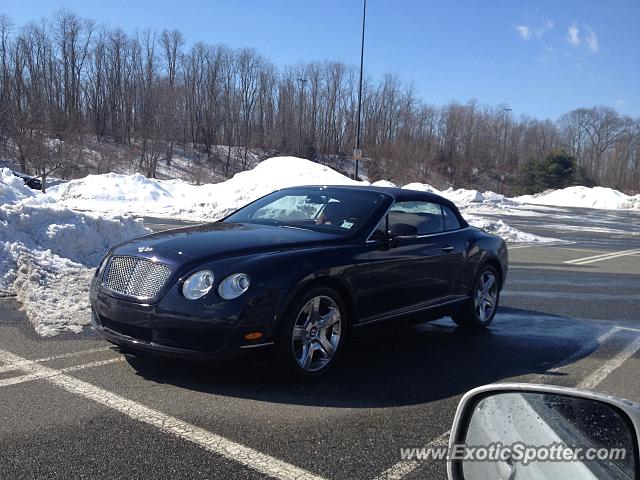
column 447, row 248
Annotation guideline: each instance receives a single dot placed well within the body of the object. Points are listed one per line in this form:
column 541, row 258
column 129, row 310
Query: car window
column 313, row 208
column 291, row 207
column 415, row 218
column 381, row 229
column 451, row 221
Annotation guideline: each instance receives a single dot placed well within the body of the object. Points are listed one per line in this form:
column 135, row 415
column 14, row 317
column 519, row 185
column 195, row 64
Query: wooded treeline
column 67, row 79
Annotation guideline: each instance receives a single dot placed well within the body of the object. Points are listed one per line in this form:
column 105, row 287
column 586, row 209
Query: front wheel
column 313, row 334
column 481, row 308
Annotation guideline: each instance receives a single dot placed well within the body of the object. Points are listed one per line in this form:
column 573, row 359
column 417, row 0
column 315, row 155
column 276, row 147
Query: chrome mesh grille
column 135, row 277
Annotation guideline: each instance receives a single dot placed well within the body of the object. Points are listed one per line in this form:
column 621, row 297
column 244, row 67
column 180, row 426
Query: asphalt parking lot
column 73, row 407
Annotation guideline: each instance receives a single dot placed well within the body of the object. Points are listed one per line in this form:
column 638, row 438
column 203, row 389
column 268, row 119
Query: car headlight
column 234, row 285
column 198, row 284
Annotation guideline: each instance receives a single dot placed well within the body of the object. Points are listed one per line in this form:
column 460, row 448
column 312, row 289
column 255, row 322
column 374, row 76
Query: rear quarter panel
column 482, row 248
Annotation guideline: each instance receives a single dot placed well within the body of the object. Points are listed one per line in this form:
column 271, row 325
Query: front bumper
column 176, row 327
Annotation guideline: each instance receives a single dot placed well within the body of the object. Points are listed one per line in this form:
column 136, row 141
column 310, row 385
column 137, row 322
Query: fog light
column 253, row 336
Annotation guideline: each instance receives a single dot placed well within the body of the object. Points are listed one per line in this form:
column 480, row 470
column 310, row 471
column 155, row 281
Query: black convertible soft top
column 401, row 195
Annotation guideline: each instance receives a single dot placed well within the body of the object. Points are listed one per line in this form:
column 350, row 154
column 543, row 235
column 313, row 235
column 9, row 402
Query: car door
column 421, row 264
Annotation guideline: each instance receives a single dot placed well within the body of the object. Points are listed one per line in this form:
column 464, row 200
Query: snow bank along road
column 74, row 407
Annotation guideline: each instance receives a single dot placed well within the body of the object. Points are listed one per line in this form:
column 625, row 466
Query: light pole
column 357, row 154
column 303, row 82
column 506, row 111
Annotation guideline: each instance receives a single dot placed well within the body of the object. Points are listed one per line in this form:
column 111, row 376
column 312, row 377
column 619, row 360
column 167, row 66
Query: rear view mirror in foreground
column 522, row 431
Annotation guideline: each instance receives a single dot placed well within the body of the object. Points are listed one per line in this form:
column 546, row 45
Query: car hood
column 215, row 240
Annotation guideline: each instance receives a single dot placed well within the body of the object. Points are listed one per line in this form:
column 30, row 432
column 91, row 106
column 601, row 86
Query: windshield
column 325, row 209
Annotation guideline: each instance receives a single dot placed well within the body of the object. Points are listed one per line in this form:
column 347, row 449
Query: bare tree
column 70, row 89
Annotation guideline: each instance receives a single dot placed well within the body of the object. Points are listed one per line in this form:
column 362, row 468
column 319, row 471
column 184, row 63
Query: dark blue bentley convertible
column 297, row 270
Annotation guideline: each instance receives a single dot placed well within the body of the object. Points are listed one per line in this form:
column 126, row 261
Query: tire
column 480, row 310
column 314, row 333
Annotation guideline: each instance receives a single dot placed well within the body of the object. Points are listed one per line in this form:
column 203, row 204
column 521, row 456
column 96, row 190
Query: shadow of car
column 391, row 367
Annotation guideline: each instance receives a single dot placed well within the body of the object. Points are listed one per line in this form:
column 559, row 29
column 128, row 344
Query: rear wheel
column 313, row 334
column 481, row 308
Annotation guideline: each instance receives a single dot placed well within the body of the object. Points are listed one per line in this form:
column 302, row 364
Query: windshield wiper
column 296, row 228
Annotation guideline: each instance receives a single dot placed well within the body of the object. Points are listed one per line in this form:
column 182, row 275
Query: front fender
column 345, row 268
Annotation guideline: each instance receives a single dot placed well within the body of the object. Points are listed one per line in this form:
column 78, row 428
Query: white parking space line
column 602, row 257
column 73, row 354
column 583, row 351
column 601, row 373
column 579, row 249
column 546, row 281
column 217, row 444
column 569, row 295
column 405, row 467
column 8, row 368
column 629, row 329
column 32, row 376
column 610, row 257
column 16, row 366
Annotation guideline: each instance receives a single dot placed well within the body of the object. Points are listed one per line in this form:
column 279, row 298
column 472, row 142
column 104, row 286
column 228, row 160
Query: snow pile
column 422, row 187
column 384, row 183
column 507, row 232
column 471, row 200
column 53, row 291
column 117, row 193
column 81, row 238
column 47, row 257
column 137, row 194
column 12, row 188
column 587, row 197
column 217, row 200
column 631, row 203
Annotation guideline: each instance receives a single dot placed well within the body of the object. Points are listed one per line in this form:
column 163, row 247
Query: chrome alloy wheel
column 486, row 297
column 316, row 333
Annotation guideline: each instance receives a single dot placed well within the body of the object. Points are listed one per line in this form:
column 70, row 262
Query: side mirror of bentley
column 403, row 230
column 524, row 431
column 387, row 240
